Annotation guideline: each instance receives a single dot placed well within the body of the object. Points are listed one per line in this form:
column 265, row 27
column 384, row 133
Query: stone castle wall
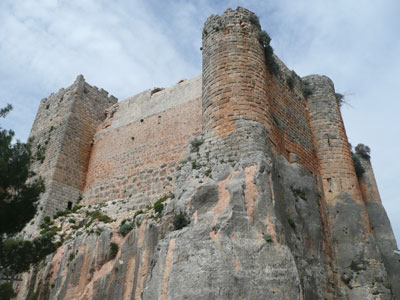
column 239, row 92
column 130, row 151
column 62, row 132
column 241, row 116
column 132, row 154
column 333, row 149
column 136, row 155
column 233, row 73
column 291, row 132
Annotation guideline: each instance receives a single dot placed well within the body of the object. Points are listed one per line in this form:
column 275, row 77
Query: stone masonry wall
column 348, row 223
column 233, row 72
column 290, row 131
column 239, row 93
column 234, row 146
column 235, row 110
column 136, row 154
column 333, row 150
column 62, row 132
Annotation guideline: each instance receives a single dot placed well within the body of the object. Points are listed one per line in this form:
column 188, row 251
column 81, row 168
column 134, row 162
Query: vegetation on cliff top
column 363, row 151
column 265, row 40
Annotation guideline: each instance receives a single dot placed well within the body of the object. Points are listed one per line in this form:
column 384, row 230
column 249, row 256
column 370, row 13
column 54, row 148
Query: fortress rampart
column 99, row 150
column 137, row 150
column 62, row 133
column 333, row 150
column 234, row 71
column 93, row 149
column 240, row 93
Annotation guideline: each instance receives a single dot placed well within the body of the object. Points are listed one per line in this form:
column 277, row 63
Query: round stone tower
column 234, row 77
column 333, row 150
column 351, row 233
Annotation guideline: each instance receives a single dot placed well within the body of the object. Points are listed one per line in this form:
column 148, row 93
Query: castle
column 92, row 149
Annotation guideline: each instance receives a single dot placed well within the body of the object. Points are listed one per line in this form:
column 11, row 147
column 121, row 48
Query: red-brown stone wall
column 63, row 129
column 238, row 91
column 138, row 161
column 290, row 131
column 86, row 114
column 333, row 150
column 233, row 72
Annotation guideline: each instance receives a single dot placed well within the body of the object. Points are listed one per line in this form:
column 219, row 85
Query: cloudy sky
column 129, row 46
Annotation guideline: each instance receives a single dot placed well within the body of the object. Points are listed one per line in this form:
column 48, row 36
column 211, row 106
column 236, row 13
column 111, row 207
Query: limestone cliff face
column 257, row 230
column 261, row 199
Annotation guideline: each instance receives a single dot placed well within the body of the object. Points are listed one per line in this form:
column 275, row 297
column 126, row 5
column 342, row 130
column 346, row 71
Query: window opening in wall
column 69, row 205
column 159, row 120
column 332, row 140
column 141, row 120
column 327, row 137
column 330, row 184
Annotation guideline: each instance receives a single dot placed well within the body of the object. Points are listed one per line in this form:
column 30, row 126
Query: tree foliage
column 17, row 194
column 358, row 166
column 364, row 151
column 265, row 40
column 18, row 255
column 6, row 291
column 180, row 221
column 360, row 151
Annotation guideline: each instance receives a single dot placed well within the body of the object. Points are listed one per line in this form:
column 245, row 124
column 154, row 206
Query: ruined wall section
column 137, row 152
column 62, row 132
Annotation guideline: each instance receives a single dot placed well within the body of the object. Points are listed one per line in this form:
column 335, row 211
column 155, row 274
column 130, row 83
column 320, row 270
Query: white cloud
column 46, row 44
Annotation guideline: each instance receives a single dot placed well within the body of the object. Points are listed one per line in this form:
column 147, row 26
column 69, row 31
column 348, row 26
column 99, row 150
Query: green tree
column 19, row 193
column 6, row 291
column 364, row 151
column 18, row 255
